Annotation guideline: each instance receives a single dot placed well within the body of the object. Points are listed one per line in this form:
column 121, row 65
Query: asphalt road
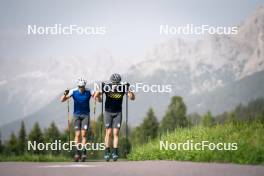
column 128, row 168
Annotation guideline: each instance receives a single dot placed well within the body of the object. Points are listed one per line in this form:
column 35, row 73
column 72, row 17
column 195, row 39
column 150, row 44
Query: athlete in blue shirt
column 81, row 113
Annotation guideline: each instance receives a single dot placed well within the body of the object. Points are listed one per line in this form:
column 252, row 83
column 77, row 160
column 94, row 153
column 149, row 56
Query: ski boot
column 107, row 156
column 84, row 156
column 76, row 157
column 115, row 156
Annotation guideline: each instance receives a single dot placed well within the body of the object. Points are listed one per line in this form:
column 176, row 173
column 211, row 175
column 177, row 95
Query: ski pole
column 93, row 130
column 126, row 144
column 94, row 127
column 69, row 123
column 101, row 130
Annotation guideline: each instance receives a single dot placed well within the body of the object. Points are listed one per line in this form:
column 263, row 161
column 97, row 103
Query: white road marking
column 67, row 166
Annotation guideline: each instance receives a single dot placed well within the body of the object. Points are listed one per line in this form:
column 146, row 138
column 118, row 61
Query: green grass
column 248, row 136
column 35, row 158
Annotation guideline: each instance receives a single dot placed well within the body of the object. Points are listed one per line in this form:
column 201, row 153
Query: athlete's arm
column 97, row 96
column 131, row 95
column 67, row 94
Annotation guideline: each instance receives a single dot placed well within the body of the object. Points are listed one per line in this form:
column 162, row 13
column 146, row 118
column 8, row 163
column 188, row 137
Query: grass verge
column 248, row 136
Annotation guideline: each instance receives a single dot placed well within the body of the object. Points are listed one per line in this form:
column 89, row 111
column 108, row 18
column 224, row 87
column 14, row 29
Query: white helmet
column 81, row 81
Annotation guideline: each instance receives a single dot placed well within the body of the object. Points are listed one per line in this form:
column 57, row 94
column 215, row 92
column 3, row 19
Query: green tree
column 207, row 119
column 136, row 136
column 13, row 144
column 1, row 144
column 194, row 119
column 231, row 117
column 175, row 115
column 150, row 125
column 22, row 138
column 36, row 135
column 52, row 133
column 148, row 129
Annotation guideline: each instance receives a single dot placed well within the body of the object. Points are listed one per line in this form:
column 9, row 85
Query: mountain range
column 215, row 73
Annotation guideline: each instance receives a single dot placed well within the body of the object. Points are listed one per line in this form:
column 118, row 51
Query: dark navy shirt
column 114, row 99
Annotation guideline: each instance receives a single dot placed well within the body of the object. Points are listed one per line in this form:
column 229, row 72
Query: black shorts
column 81, row 122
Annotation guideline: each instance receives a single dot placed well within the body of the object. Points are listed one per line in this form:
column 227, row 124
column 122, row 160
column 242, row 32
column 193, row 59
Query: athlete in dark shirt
column 114, row 97
column 113, row 111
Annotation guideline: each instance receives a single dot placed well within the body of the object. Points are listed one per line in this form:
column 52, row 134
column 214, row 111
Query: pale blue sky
column 132, row 26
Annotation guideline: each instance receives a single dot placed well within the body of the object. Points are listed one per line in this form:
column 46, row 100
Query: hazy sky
column 132, row 26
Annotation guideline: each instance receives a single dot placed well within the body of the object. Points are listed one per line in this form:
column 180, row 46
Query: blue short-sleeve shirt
column 81, row 101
